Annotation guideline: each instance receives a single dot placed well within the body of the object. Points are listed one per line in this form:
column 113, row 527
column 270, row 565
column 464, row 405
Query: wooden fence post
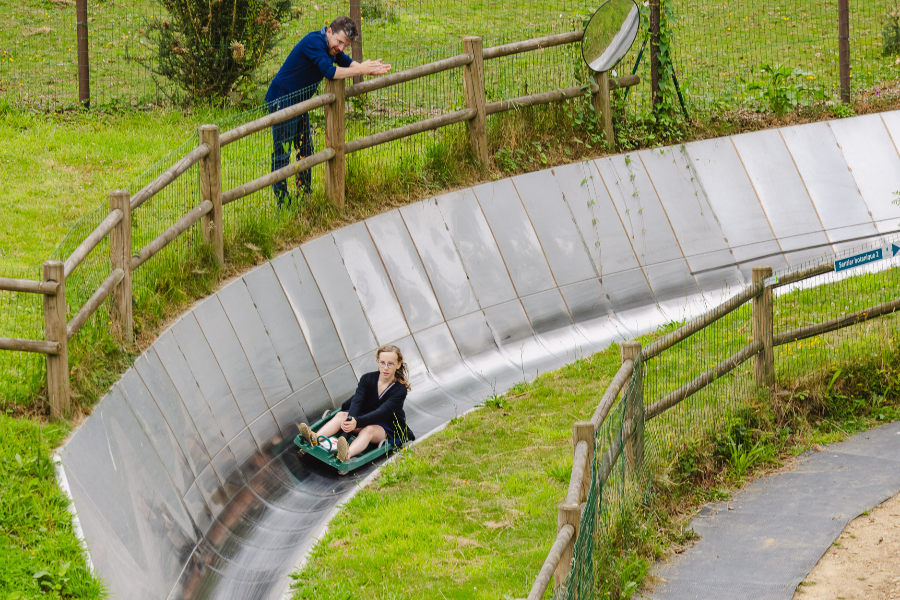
column 654, row 51
column 81, row 33
column 764, row 362
column 356, row 45
column 844, row 48
column 211, row 189
column 334, row 138
column 473, row 80
column 120, row 257
column 55, row 331
column 584, row 430
column 634, row 413
column 602, row 101
column 569, row 514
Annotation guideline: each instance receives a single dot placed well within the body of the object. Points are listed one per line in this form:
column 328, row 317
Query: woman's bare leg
column 370, row 434
column 333, row 426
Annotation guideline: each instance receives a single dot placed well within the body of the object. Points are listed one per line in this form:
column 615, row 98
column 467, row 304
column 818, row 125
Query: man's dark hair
column 346, row 25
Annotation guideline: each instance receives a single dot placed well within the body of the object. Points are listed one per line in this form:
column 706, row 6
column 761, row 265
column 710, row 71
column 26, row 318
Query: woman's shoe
column 343, row 453
column 307, row 433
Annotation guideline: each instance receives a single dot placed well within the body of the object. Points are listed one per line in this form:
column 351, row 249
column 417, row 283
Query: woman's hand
column 349, row 425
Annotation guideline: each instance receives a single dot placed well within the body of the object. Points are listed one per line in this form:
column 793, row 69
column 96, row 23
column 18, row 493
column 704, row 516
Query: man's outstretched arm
column 366, row 67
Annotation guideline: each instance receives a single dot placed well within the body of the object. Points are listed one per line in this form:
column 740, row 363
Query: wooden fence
column 57, row 331
column 560, row 559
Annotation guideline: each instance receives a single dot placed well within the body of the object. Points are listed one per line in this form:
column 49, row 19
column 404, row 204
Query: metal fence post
column 356, row 45
column 334, row 138
column 120, row 257
column 764, row 362
column 654, row 51
column 569, row 514
column 473, row 80
column 55, row 331
column 81, row 32
column 634, row 412
column 844, row 48
column 211, row 189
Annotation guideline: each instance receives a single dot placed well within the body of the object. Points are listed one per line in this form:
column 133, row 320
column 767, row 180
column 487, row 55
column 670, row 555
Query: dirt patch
column 864, row 562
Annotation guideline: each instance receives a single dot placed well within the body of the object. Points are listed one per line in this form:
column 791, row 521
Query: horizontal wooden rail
column 171, row 174
column 804, row 274
column 28, row 286
column 563, row 537
column 408, row 130
column 274, row 118
column 38, row 346
column 94, row 302
column 408, row 75
column 493, row 108
column 276, row 176
column 92, row 241
column 625, row 81
column 704, row 320
column 580, row 470
column 612, row 391
column 533, row 44
column 170, row 234
column 703, row 380
column 840, row 322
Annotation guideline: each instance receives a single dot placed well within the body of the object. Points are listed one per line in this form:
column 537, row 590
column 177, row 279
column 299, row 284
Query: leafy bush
column 207, row 48
column 784, row 89
column 890, row 33
column 380, row 10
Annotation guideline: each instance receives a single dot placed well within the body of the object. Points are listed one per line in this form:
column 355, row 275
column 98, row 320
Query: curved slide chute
column 184, row 478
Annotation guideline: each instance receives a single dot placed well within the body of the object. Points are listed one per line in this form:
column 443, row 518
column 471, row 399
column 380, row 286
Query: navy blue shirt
column 368, row 409
column 306, row 65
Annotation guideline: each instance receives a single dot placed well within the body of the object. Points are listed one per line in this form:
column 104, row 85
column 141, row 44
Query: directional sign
column 859, row 259
column 894, row 249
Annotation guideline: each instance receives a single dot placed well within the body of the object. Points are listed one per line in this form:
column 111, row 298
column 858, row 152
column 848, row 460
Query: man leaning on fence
column 318, row 55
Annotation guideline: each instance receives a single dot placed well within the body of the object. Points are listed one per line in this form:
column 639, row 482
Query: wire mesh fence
column 21, row 316
column 720, row 47
column 717, row 51
column 637, row 458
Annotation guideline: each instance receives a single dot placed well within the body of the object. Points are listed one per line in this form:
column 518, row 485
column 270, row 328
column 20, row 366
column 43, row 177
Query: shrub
column 380, row 10
column 207, row 48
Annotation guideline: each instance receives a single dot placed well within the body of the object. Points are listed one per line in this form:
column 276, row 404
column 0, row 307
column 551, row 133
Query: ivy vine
column 665, row 113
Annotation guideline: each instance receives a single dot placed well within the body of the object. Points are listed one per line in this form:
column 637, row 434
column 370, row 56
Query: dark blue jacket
column 306, row 65
column 368, row 409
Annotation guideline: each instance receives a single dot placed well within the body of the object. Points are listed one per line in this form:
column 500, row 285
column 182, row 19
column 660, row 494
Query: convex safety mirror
column 609, row 34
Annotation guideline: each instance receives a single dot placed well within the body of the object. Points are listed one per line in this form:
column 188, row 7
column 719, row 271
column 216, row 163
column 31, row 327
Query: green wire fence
column 770, row 340
column 717, row 48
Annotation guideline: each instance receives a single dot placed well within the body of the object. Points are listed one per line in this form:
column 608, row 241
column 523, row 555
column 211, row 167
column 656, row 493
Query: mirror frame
column 631, row 43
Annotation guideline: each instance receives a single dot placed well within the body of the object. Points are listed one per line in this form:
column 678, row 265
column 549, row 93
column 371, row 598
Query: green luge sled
column 365, row 457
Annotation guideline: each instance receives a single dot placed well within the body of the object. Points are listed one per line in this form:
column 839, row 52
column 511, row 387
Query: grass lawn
column 58, row 167
column 471, row 511
column 39, row 554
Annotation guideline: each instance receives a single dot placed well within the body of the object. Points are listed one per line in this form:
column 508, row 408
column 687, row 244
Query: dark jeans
column 291, row 133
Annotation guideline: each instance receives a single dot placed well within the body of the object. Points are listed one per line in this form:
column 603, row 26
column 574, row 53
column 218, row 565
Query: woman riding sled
column 375, row 412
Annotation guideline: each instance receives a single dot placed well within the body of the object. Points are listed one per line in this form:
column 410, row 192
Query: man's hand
column 348, row 425
column 373, row 67
column 366, row 67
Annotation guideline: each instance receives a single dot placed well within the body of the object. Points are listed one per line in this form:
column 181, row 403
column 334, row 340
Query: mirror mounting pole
column 654, row 51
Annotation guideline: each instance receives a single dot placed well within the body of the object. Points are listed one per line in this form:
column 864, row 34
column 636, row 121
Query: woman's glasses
column 386, row 365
